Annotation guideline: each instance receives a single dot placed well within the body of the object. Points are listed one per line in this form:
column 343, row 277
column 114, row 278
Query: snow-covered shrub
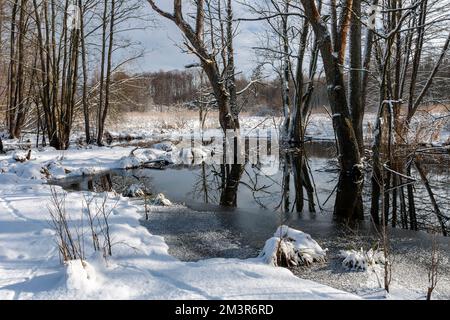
column 361, row 260
column 134, row 191
column 141, row 158
column 130, row 162
column 22, row 156
column 290, row 247
column 81, row 276
column 161, row 200
column 27, row 170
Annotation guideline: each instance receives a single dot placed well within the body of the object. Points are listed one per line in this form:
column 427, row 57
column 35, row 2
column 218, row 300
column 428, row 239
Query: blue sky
column 162, row 51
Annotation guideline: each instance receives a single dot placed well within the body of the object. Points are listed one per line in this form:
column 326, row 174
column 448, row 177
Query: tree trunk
column 351, row 175
column 231, row 79
column 100, row 124
column 108, row 70
column 286, row 74
column 365, row 73
column 87, row 128
column 354, row 93
column 296, row 124
column 72, row 77
column 286, row 192
column 19, row 103
column 297, row 168
column 233, row 173
column 12, row 71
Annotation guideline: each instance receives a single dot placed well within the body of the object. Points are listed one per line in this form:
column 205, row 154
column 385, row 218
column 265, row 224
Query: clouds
column 163, row 45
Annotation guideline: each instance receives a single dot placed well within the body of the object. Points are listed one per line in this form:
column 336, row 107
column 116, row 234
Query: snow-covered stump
column 289, row 247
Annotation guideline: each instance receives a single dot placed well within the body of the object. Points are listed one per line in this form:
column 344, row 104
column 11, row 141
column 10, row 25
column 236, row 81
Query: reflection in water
column 220, row 184
column 304, row 183
column 231, row 177
column 295, row 168
column 114, row 180
column 244, row 186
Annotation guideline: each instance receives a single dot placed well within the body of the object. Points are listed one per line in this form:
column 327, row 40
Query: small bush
column 290, row 247
column 361, row 260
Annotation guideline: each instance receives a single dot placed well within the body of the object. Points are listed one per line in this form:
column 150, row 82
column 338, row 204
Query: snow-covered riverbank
column 140, row 267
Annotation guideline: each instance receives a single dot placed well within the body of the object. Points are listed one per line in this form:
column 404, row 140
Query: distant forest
column 156, row 90
column 182, row 88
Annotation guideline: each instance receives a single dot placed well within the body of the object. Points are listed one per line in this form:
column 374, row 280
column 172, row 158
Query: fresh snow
column 361, row 260
column 140, row 267
column 161, row 200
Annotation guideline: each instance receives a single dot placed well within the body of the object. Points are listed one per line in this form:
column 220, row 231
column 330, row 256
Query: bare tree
column 355, row 82
column 16, row 108
column 58, row 70
column 197, row 45
column 401, row 80
column 106, row 55
column 87, row 128
column 351, row 176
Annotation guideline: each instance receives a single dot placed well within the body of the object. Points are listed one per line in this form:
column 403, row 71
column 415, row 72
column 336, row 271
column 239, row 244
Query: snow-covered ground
column 140, row 266
column 146, row 127
column 429, row 128
column 433, row 128
column 192, row 235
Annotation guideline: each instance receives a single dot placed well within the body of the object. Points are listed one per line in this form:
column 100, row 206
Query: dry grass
column 173, row 118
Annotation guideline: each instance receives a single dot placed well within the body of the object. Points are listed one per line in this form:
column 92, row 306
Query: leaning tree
column 209, row 55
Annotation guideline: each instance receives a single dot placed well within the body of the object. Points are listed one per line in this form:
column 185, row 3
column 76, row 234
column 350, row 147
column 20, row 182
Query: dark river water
column 204, row 228
column 202, row 183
